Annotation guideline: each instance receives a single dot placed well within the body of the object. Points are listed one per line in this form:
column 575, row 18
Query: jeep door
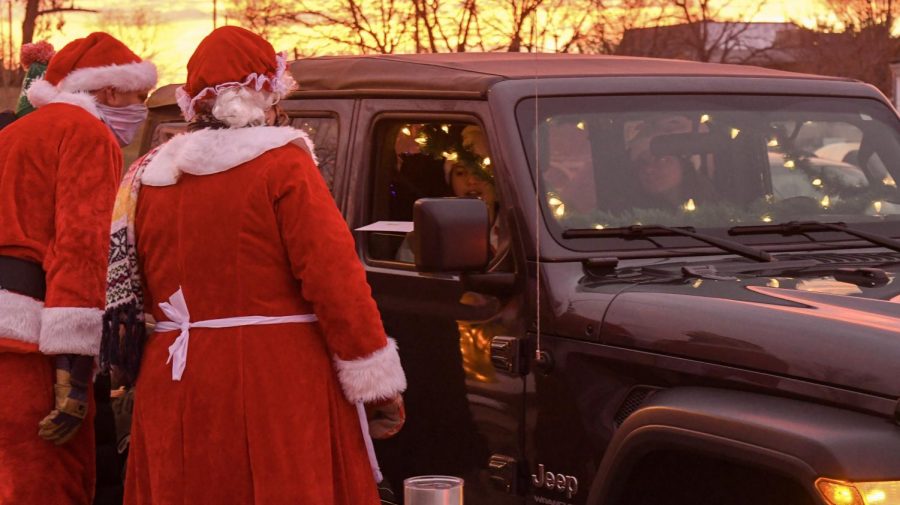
column 463, row 417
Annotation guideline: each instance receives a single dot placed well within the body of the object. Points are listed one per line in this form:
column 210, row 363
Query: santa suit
column 241, row 222
column 56, row 199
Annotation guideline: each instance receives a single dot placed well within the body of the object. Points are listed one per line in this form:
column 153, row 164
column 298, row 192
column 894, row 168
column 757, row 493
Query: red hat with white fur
column 88, row 64
column 232, row 57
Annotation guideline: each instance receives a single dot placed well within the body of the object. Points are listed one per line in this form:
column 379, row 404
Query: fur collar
column 206, row 152
column 41, row 93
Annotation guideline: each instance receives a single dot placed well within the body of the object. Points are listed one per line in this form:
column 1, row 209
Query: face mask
column 123, row 121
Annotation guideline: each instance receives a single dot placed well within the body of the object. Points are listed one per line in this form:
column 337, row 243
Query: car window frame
column 365, row 190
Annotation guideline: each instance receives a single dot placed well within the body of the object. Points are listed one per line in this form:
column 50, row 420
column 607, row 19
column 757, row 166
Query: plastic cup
column 433, row 490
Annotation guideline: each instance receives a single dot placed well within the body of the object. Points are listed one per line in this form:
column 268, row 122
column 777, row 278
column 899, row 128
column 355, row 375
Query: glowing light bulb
column 789, row 164
column 406, row 131
column 877, row 206
column 421, row 141
column 766, row 219
column 486, row 162
column 876, row 496
column 734, row 133
column 705, row 119
column 690, row 206
column 825, row 202
column 773, row 143
column 817, row 182
column 580, row 125
column 445, row 128
column 773, row 283
column 889, row 181
column 599, row 226
column 561, row 210
column 697, row 283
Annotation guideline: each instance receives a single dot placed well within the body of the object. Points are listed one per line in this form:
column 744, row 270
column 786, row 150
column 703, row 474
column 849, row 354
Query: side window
column 419, row 159
column 323, row 131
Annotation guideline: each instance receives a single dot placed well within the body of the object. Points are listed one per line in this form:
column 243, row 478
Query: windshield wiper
column 801, row 227
column 638, row 231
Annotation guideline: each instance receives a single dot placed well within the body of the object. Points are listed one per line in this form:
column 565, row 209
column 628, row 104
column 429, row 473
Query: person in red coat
column 59, row 169
column 268, row 347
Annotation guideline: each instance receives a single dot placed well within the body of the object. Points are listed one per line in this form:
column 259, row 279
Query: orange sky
column 183, row 23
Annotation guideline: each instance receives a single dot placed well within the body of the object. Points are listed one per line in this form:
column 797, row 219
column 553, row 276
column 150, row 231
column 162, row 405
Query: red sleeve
column 90, row 163
column 323, row 258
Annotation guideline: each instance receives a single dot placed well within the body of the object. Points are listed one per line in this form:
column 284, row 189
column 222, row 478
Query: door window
column 418, row 159
column 323, row 132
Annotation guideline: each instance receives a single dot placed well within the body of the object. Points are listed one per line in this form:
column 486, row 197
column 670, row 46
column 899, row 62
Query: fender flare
column 793, row 437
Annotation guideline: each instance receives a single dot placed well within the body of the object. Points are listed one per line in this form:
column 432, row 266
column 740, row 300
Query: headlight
column 838, row 492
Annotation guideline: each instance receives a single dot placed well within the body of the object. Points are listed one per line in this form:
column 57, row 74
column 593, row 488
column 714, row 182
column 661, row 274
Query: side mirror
column 451, row 235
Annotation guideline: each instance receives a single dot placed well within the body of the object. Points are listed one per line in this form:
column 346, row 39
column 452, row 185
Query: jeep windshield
column 713, row 162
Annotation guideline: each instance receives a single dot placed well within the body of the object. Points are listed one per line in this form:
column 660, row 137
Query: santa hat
column 91, row 63
column 235, row 75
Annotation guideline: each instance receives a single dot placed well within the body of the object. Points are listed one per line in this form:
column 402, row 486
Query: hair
column 237, row 107
column 241, row 106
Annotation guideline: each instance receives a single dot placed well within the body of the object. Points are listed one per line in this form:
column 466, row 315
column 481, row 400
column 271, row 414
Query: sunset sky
column 181, row 24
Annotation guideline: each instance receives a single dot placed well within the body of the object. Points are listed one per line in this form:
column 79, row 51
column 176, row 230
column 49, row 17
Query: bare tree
column 856, row 15
column 536, row 25
column 446, row 25
column 45, row 14
column 137, row 28
column 268, row 18
column 855, row 41
column 700, row 30
column 615, row 18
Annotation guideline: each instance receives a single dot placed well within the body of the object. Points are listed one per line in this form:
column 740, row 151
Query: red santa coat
column 59, row 169
column 262, row 414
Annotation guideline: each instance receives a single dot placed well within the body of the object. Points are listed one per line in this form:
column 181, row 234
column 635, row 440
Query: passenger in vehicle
column 245, row 259
column 468, row 174
column 569, row 175
column 666, row 181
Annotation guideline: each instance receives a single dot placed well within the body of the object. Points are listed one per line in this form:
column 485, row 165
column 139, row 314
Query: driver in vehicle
column 666, row 180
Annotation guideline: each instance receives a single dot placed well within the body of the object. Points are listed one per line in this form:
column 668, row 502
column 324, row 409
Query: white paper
column 395, row 226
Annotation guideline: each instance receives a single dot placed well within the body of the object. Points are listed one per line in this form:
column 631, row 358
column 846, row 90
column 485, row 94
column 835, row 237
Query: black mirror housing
column 451, row 235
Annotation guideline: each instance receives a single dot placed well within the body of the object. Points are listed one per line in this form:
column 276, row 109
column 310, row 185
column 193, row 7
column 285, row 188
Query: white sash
column 180, row 319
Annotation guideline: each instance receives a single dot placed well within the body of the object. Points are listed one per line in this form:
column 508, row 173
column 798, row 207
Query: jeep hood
column 813, row 328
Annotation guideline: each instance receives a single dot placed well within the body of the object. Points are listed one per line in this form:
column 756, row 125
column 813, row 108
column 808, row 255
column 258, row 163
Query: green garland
column 717, row 215
column 446, row 142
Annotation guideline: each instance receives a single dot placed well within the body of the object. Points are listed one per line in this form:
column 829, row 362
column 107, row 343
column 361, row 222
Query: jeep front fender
column 796, row 438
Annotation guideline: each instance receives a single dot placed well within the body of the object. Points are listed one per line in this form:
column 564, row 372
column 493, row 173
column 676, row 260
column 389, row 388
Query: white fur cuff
column 20, row 317
column 71, row 330
column 373, row 377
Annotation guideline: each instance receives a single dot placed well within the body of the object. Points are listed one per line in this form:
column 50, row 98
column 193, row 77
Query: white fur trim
column 20, row 317
column 207, row 151
column 138, row 76
column 373, row 377
column 41, row 93
column 71, row 330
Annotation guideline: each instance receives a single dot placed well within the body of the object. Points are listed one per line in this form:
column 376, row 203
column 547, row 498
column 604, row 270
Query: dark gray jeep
column 622, row 281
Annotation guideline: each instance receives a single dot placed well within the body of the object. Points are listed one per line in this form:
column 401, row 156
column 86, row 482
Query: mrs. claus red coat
column 241, row 221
